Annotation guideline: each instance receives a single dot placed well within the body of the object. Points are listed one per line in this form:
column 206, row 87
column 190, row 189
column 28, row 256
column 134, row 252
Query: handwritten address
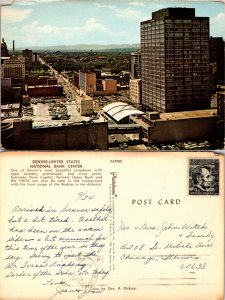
column 168, row 242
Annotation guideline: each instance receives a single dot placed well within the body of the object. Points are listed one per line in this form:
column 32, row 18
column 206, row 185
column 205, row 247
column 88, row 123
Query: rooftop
column 120, row 110
column 83, row 96
column 221, row 92
column 10, row 106
column 40, row 86
column 205, row 113
column 177, row 12
column 177, row 116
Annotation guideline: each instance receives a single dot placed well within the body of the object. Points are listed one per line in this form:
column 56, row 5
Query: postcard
column 109, row 225
column 112, row 75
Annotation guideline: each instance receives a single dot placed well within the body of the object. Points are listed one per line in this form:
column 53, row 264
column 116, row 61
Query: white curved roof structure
column 120, row 110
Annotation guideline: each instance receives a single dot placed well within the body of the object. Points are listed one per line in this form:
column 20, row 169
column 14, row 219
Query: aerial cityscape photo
column 112, row 75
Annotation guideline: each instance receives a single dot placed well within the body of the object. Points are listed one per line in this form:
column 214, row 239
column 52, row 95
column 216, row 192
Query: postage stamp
column 203, row 176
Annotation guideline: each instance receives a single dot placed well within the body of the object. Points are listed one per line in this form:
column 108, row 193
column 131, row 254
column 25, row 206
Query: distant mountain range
column 84, row 47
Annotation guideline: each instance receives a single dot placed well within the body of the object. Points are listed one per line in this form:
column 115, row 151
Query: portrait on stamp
column 203, row 177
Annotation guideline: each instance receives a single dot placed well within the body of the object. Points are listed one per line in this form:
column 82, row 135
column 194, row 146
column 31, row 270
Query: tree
column 9, row 95
column 45, row 68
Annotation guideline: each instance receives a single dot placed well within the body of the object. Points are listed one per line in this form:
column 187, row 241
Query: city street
column 68, row 87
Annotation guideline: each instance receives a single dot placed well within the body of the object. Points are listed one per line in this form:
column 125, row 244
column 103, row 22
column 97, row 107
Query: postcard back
column 112, row 225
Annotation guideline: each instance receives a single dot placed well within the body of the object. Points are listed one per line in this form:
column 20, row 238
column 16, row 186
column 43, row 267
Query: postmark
column 203, row 176
column 87, row 276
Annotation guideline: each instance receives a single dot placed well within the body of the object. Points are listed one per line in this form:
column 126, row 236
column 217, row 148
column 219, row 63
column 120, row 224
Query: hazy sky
column 69, row 22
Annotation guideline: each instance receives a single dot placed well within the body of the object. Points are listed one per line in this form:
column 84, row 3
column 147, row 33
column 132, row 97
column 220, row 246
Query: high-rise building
column 35, row 57
column 221, row 105
column 135, row 91
column 27, row 54
column 175, row 61
column 13, row 68
column 217, row 60
column 136, row 64
column 87, row 82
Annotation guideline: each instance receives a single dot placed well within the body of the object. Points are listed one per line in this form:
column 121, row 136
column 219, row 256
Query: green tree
column 9, row 95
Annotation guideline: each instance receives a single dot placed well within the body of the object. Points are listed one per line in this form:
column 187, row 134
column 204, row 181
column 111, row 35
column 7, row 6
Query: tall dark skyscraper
column 136, row 64
column 217, row 58
column 175, row 61
column 27, row 54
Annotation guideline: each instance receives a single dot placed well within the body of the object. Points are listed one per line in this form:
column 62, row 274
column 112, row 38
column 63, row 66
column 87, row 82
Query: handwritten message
column 58, row 246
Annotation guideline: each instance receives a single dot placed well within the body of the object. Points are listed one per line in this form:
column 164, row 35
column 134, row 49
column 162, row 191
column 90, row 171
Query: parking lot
column 41, row 113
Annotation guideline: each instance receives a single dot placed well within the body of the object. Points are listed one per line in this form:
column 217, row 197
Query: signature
column 90, row 289
column 67, row 288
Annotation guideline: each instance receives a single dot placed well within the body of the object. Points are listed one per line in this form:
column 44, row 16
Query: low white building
column 85, row 105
